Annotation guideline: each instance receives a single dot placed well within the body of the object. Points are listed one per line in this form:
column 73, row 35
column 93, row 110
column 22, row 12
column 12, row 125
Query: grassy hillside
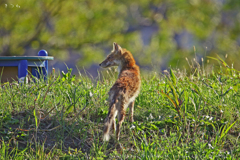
column 177, row 116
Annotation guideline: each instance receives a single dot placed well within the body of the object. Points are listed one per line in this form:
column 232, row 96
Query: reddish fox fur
column 125, row 89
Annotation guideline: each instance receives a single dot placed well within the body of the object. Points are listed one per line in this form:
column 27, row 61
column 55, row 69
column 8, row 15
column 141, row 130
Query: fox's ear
column 116, row 47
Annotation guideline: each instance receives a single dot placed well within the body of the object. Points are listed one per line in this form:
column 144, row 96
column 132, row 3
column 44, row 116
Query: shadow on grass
column 52, row 131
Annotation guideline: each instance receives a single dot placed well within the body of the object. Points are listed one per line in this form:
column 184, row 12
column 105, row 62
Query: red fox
column 125, row 89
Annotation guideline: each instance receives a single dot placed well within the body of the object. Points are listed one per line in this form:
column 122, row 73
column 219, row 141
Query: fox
column 124, row 91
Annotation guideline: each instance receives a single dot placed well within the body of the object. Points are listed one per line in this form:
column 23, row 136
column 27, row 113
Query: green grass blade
column 173, row 77
column 35, row 117
column 226, row 131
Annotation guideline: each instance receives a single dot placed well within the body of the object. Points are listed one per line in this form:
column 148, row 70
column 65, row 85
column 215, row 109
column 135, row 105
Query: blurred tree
column 199, row 23
column 90, row 26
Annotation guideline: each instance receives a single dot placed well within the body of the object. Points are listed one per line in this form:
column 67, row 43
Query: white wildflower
column 132, row 127
column 151, row 116
column 91, row 94
column 210, row 146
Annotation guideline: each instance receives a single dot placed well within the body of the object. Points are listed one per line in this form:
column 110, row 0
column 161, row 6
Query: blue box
column 18, row 67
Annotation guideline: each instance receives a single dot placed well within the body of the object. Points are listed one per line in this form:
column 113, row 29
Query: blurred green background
column 159, row 33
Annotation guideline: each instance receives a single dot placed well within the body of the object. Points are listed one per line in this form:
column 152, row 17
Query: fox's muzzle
column 106, row 64
column 103, row 65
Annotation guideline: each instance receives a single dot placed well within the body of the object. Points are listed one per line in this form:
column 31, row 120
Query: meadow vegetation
column 178, row 115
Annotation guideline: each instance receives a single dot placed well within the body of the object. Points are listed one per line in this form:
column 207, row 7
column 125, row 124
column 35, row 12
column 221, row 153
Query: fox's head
column 113, row 59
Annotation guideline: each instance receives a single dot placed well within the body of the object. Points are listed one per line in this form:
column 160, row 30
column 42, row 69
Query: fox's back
column 128, row 82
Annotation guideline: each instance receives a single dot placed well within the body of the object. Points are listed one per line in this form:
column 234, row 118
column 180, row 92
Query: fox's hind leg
column 131, row 110
column 121, row 116
column 114, row 121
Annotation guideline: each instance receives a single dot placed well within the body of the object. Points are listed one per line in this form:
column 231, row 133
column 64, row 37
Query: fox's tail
column 109, row 121
column 106, row 130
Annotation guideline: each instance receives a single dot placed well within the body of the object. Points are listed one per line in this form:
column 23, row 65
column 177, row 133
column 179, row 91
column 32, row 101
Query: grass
column 177, row 116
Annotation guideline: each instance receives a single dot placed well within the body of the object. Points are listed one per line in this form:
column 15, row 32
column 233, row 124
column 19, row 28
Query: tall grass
column 177, row 116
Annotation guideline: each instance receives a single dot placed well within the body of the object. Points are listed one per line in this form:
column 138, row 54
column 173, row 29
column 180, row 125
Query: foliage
column 89, row 27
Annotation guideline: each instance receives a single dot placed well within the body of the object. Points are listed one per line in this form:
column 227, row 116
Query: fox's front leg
column 131, row 110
